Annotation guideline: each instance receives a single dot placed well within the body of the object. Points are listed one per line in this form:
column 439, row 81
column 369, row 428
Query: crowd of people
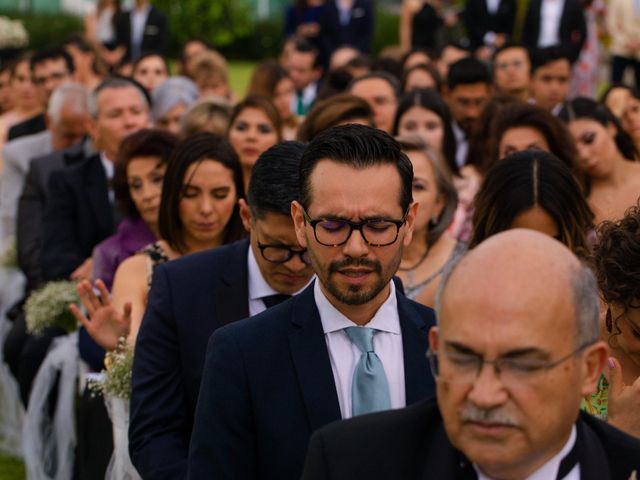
column 352, row 234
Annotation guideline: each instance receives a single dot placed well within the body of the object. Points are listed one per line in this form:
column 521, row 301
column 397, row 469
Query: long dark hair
column 429, row 99
column 583, row 107
column 527, row 179
column 195, row 149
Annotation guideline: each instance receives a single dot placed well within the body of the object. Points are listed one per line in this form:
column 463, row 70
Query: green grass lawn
column 11, row 468
column 239, row 76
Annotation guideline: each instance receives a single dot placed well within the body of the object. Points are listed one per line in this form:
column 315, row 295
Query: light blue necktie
column 369, row 389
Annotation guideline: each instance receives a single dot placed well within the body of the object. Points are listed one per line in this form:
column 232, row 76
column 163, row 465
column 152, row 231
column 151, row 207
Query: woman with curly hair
column 616, row 261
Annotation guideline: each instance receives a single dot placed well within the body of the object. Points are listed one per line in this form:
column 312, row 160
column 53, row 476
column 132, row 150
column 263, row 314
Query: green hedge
column 46, row 30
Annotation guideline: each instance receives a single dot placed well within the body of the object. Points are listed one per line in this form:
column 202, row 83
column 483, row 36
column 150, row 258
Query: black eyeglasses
column 333, row 232
column 282, row 254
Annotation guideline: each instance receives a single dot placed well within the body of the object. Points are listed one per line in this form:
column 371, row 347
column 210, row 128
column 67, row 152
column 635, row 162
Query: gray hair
column 73, row 95
column 173, row 91
column 115, row 82
column 585, row 300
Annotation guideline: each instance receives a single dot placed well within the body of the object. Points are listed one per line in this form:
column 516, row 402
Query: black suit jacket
column 31, row 126
column 78, row 215
column 189, row 299
column 357, row 33
column 268, row 384
column 31, row 209
column 479, row 21
column 156, row 33
column 412, row 444
column 573, row 27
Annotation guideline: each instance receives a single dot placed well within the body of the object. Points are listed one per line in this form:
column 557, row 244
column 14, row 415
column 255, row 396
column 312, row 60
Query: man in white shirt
column 348, row 345
column 515, row 351
column 142, row 30
column 305, row 69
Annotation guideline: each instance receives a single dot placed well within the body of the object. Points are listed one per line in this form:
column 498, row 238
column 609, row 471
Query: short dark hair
column 542, row 56
column 328, row 113
column 467, row 71
column 143, row 143
column 431, row 100
column 274, row 179
column 195, row 149
column 146, row 55
column 386, row 76
column 527, row 179
column 302, row 45
column 360, row 147
column 48, row 54
column 509, row 46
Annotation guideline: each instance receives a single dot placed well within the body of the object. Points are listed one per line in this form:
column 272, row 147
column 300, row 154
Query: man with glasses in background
column 515, row 351
column 349, row 344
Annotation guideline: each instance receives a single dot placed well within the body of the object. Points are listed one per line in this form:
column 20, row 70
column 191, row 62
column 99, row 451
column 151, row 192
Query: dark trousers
column 618, row 67
column 95, row 437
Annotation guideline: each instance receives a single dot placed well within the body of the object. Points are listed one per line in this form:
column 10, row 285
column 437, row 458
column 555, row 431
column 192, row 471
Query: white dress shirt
column 344, row 355
column 308, row 97
column 549, row 471
column 462, row 144
column 550, row 14
column 138, row 22
column 258, row 286
column 109, row 169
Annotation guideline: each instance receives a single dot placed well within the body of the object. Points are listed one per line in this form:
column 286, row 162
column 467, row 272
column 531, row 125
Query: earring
column 608, row 320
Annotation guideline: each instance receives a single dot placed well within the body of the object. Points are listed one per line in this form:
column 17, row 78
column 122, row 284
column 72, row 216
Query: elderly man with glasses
column 349, row 344
column 515, row 350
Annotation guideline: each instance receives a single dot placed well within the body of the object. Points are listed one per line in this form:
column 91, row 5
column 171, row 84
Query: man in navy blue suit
column 349, row 344
column 191, row 297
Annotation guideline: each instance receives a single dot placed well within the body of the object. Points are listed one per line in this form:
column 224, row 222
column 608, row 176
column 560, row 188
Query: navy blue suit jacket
column 189, row 298
column 268, row 385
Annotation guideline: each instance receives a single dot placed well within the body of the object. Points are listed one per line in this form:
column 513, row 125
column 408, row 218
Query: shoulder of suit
column 28, row 142
column 207, row 260
column 613, row 439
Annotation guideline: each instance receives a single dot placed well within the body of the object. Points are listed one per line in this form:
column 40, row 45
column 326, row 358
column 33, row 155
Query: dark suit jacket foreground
column 412, row 444
column 189, row 299
column 268, row 384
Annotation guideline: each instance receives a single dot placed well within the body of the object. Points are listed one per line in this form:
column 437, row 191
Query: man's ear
column 409, row 220
column 594, row 361
column 245, row 214
column 433, row 339
column 297, row 214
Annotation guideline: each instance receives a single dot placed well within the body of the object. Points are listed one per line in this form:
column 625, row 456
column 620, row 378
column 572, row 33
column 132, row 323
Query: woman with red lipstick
column 608, row 156
column 198, row 210
column 255, row 126
column 137, row 184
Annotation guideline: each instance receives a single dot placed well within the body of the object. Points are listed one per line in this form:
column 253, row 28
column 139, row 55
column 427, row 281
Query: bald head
column 525, row 269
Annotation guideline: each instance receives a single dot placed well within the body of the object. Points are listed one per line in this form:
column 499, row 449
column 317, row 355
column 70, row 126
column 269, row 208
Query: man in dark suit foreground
column 347, row 345
column 515, row 351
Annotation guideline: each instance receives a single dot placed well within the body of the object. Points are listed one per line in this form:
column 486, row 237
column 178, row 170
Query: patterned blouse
column 596, row 403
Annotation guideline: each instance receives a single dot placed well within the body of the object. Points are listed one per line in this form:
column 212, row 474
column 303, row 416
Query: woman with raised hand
column 198, row 211
column 607, row 156
column 431, row 249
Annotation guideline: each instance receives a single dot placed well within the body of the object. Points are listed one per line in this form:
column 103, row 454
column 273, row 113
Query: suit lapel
column 311, row 361
column 235, row 284
column 98, row 192
column 419, row 382
column 591, row 455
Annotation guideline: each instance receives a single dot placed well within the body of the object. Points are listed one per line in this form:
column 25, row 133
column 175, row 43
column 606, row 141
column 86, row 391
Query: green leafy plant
column 116, row 377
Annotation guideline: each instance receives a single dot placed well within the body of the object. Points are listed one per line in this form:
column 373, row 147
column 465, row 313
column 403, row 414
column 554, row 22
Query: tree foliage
column 222, row 22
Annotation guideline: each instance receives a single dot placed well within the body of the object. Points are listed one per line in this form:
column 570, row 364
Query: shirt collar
column 108, row 165
column 549, row 469
column 258, row 286
column 458, row 132
column 386, row 318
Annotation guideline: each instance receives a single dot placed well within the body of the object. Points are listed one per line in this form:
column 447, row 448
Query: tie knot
column 361, row 337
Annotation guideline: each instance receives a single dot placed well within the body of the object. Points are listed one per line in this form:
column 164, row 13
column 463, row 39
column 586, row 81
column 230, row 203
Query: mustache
column 473, row 413
column 355, row 262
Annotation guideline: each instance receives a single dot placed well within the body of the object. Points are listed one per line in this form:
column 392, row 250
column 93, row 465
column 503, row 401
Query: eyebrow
column 515, row 353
